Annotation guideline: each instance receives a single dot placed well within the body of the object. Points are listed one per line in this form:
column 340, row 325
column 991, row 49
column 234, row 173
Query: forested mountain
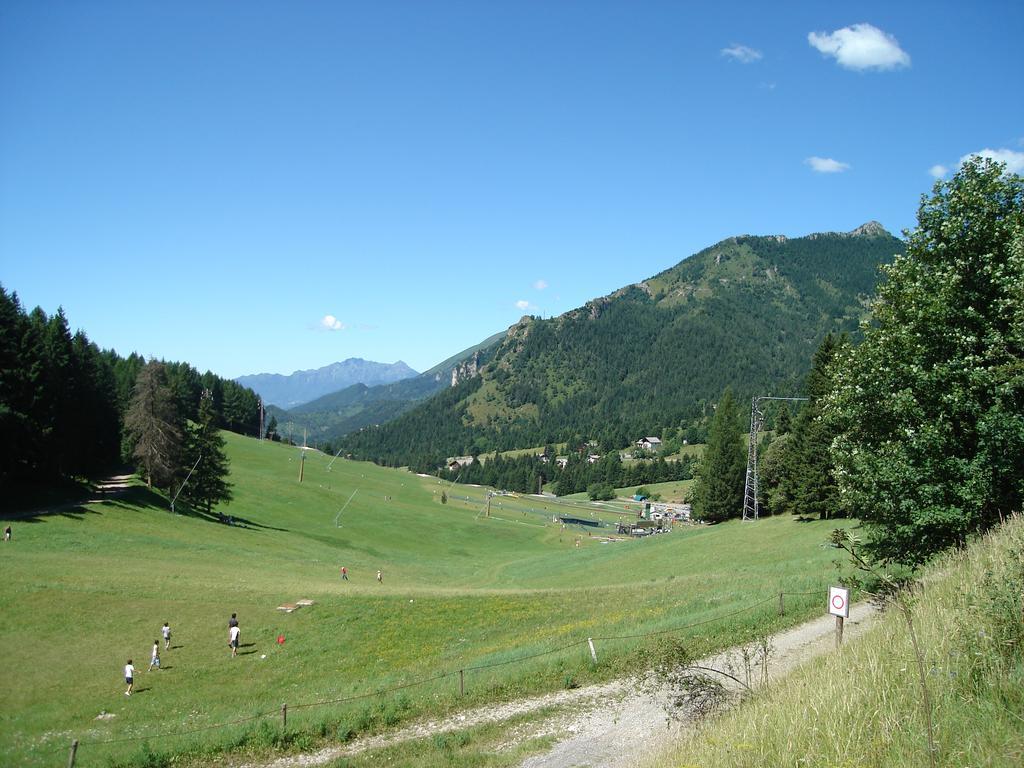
column 329, row 417
column 651, row 358
column 303, row 386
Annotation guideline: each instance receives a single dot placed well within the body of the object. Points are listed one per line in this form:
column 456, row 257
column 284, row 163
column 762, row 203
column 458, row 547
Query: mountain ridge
column 302, row 386
column 747, row 312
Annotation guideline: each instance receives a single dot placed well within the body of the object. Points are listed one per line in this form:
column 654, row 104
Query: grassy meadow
column 87, row 588
column 864, row 706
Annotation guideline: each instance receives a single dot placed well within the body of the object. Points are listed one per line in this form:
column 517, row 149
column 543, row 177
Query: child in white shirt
column 129, row 677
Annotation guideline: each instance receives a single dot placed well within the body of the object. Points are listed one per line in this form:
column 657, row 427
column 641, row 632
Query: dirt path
column 602, row 726
column 107, row 488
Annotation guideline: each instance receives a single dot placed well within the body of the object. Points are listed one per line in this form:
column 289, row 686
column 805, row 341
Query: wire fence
column 282, row 712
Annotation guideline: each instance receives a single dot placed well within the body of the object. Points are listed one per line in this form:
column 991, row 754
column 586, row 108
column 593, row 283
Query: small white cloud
column 826, row 165
column 331, row 323
column 860, row 47
column 523, row 304
column 938, row 171
column 1014, row 160
column 741, row 53
column 540, row 285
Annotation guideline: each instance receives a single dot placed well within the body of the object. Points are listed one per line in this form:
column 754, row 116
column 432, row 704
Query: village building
column 649, row 444
column 458, row 462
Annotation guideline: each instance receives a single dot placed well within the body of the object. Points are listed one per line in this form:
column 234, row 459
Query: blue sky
column 266, row 187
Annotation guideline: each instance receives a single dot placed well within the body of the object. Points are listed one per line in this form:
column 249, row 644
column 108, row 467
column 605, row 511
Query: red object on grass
column 280, row 639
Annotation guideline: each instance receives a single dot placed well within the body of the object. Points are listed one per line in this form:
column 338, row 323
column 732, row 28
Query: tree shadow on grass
column 137, row 498
column 232, row 521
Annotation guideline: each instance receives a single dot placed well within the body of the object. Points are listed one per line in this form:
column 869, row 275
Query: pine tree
column 207, row 486
column 154, row 425
column 718, row 492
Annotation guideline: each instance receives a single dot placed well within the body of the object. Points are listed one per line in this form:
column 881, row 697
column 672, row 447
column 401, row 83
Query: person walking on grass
column 167, row 636
column 154, row 657
column 129, row 677
column 233, row 621
column 233, row 633
column 344, row 573
column 380, row 577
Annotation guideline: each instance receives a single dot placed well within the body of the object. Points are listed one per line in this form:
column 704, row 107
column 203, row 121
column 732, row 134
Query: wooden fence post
column 593, row 652
column 782, row 605
column 74, row 751
column 462, row 682
column 839, row 631
column 284, row 716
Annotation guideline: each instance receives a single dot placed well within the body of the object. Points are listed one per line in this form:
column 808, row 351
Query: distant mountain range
column 305, row 386
column 651, row 358
column 361, row 405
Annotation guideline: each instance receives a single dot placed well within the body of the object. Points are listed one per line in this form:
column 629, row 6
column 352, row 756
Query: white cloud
column 741, row 53
column 331, row 323
column 1014, row 160
column 524, row 306
column 826, row 165
column 938, row 171
column 540, row 285
column 861, row 46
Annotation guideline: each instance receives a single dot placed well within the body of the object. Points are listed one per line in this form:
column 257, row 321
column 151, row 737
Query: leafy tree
column 929, row 408
column 600, row 492
column 154, row 423
column 718, row 492
column 208, row 485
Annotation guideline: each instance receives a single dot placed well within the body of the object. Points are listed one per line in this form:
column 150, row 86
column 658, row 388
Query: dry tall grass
column 863, row 706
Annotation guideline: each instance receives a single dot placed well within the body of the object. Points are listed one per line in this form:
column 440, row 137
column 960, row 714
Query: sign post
column 839, row 606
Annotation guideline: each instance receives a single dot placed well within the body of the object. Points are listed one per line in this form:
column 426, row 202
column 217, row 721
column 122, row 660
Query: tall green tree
column 718, row 492
column 928, row 410
column 799, row 476
column 155, row 426
column 207, row 486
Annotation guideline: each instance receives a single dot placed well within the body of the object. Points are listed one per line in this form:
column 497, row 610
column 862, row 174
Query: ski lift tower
column 751, row 505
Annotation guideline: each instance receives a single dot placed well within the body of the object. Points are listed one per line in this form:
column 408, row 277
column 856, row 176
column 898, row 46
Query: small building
column 649, row 444
column 641, row 527
column 458, row 462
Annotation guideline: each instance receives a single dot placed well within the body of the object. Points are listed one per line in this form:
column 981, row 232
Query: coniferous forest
column 652, row 358
column 64, row 401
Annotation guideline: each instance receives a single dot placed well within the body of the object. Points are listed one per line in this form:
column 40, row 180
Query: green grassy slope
column 83, row 591
column 867, row 702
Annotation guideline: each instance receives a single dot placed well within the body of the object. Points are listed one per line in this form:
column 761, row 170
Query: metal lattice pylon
column 751, row 503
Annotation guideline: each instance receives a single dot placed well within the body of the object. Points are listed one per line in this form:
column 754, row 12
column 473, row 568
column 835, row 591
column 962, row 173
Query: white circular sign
column 839, row 602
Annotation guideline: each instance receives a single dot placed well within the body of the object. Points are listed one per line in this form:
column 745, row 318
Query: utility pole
column 261, row 420
column 751, row 503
